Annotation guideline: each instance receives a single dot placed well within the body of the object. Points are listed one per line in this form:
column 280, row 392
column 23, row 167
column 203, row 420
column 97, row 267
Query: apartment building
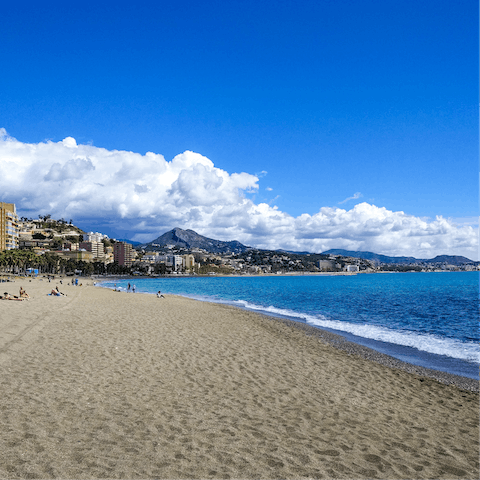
column 123, row 253
column 94, row 237
column 9, row 226
column 326, row 265
column 189, row 261
column 97, row 248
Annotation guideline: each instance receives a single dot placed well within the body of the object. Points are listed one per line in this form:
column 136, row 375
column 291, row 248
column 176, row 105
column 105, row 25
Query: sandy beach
column 103, row 384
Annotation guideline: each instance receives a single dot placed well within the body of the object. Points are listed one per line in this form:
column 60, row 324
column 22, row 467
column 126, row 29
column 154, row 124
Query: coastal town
column 46, row 245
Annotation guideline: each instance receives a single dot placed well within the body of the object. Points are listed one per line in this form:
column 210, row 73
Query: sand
column 102, row 384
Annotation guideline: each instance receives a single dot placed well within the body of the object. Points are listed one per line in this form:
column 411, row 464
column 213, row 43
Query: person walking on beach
column 128, row 287
column 134, row 288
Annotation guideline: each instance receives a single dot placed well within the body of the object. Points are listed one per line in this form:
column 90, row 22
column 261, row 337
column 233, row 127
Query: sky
column 302, row 125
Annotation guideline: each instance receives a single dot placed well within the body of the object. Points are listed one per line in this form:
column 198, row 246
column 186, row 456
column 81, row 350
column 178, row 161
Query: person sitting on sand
column 59, row 292
column 159, row 294
column 23, row 293
column 54, row 293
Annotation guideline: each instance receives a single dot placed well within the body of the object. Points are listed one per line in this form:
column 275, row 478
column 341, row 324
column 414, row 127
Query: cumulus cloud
column 74, row 169
column 142, row 196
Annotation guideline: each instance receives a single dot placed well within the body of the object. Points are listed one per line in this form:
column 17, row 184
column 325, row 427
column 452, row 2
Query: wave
column 468, row 351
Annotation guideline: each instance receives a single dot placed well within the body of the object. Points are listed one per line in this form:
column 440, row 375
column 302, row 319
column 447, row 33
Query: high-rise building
column 123, row 253
column 9, row 228
column 95, row 247
column 189, row 261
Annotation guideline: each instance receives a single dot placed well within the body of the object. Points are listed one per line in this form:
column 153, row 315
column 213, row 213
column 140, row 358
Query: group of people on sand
column 23, row 296
column 133, row 288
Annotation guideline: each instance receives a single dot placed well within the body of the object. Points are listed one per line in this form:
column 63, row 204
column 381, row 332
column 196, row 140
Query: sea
column 426, row 319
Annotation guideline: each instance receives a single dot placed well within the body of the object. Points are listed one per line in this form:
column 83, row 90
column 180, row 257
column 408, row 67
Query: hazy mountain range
column 450, row 259
column 189, row 239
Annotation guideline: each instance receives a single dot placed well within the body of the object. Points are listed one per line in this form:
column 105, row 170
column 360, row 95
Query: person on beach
column 134, row 288
column 159, row 294
column 128, row 287
column 23, row 293
column 59, row 292
column 7, row 296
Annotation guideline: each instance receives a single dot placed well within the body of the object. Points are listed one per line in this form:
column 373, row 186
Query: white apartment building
column 94, row 237
column 352, row 268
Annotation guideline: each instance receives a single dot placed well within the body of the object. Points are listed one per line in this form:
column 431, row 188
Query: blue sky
column 329, row 104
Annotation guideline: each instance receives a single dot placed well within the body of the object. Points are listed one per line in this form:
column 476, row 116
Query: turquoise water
column 428, row 319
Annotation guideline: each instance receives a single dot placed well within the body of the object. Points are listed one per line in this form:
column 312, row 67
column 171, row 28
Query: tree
column 160, row 269
column 17, row 261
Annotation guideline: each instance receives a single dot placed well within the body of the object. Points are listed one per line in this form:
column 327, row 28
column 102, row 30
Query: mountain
column 370, row 256
column 292, row 252
column 450, row 259
column 189, row 239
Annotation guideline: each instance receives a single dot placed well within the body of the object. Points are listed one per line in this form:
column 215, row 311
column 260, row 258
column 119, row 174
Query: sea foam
column 468, row 351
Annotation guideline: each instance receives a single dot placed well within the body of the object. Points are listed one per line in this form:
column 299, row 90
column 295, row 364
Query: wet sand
column 102, row 384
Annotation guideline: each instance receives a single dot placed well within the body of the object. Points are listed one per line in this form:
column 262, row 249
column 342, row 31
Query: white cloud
column 354, row 197
column 269, row 189
column 142, row 196
column 463, row 221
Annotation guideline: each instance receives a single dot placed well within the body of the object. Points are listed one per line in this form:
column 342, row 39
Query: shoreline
column 352, row 348
column 100, row 384
column 342, row 342
column 339, row 342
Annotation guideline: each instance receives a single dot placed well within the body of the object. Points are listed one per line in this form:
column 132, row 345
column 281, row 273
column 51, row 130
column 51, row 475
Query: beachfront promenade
column 103, row 384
